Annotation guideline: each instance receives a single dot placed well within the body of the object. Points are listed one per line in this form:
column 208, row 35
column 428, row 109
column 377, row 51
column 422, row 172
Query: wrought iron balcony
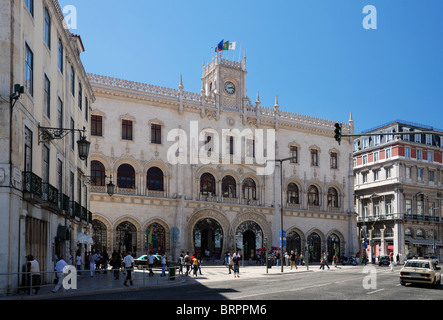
column 32, row 187
column 50, row 196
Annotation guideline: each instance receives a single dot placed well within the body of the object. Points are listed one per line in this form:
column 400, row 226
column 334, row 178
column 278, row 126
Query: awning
column 84, row 238
column 423, row 242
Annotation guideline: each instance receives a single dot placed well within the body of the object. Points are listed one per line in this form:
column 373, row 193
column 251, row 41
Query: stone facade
column 219, row 203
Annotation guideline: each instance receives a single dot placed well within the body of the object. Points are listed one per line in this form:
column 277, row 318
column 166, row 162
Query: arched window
column 126, row 176
column 420, row 234
column 313, row 196
column 249, row 189
column 408, row 233
column 229, row 187
column 99, row 235
column 207, row 184
column 97, row 173
column 154, row 179
column 292, row 193
column 389, row 232
column 332, row 198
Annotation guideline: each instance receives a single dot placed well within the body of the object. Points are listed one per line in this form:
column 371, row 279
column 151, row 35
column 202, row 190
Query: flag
column 219, row 46
column 225, row 45
column 232, row 45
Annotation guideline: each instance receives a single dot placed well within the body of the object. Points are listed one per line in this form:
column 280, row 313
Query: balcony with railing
column 399, row 216
column 50, row 197
column 32, row 187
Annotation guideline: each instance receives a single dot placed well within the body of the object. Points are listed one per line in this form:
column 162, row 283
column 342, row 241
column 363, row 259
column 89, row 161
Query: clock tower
column 224, row 84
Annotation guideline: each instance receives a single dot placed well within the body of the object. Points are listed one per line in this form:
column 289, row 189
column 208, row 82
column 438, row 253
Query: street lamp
column 281, row 203
column 110, row 187
column 46, row 134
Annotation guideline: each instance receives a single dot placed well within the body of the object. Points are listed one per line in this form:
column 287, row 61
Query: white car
column 420, row 271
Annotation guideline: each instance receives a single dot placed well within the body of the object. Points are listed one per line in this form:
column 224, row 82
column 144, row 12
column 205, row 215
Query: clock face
column 229, row 87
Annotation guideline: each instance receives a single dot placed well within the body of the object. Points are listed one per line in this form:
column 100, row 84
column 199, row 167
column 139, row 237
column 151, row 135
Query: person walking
column 78, row 262
column 34, row 274
column 163, row 263
column 180, row 262
column 300, row 259
column 324, row 259
column 187, row 263
column 59, row 266
column 151, row 258
column 194, row 264
column 199, row 261
column 391, row 260
column 293, row 258
column 128, row 264
column 116, row 264
column 92, row 260
column 236, row 265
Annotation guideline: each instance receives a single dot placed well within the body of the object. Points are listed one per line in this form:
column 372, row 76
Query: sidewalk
column 102, row 282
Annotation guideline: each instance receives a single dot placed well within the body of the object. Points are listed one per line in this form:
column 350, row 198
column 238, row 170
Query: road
column 345, row 283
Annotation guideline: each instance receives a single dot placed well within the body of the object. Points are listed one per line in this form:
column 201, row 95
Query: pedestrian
column 128, row 264
column 287, row 259
column 92, row 260
column 199, row 260
column 300, row 259
column 334, row 260
column 163, row 263
column 236, row 265
column 116, row 264
column 230, row 263
column 180, row 262
column 323, row 261
column 293, row 258
column 70, row 258
column 151, row 258
column 194, row 264
column 187, row 263
column 391, row 260
column 34, row 274
column 78, row 262
column 59, row 266
column 277, row 258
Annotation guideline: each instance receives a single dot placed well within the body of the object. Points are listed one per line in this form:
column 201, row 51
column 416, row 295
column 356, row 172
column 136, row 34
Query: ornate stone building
column 398, row 184
column 44, row 203
column 222, row 201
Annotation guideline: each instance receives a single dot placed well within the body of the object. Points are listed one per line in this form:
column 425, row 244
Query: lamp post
column 281, row 203
column 110, row 187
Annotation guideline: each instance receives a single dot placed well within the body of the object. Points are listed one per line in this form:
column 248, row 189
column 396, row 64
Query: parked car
column 142, row 261
column 421, row 271
column 383, row 260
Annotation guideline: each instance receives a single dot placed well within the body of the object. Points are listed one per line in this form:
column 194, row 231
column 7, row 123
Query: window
column 126, row 176
column 96, row 125
column 207, row 184
column 71, row 185
column 431, row 209
column 419, row 154
column 60, row 113
column 97, row 173
column 417, row 138
column 30, row 5
column 408, row 153
column 29, row 71
column 420, row 205
column 389, row 137
column 313, row 196
column 388, row 206
column 126, row 129
column 376, row 208
column 388, row 173
column 293, row 194
column 86, row 109
column 250, row 147
column 356, row 143
column 429, row 139
column 408, row 172
column 249, row 189
column 231, row 145
column 229, row 187
column 406, row 136
column 332, row 198
column 45, row 160
column 72, row 82
column 376, row 156
column 365, row 142
column 293, row 153
column 314, row 157
column 388, row 153
column 408, row 206
column 72, row 135
column 408, row 233
column 28, row 150
column 420, row 174
column 430, row 156
column 377, row 140
column 420, row 233
column 60, row 55
column 47, row 97
column 47, row 28
column 365, row 177
column 60, row 179
column 80, row 95
column 376, row 177
column 154, row 179
column 431, row 176
column 365, row 159
column 334, row 160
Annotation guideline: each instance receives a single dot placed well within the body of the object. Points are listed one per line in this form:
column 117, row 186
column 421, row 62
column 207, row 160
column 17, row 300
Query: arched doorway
column 333, row 246
column 99, row 236
column 208, row 238
column 126, row 237
column 314, row 246
column 155, row 238
column 293, row 242
column 249, row 238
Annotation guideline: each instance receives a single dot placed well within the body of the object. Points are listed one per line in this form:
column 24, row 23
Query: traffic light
column 337, row 132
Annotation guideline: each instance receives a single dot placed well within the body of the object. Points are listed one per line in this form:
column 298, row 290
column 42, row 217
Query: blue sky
column 314, row 54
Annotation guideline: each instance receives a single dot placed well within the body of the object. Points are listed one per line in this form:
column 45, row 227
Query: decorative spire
column 180, row 85
column 258, row 99
column 276, row 106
